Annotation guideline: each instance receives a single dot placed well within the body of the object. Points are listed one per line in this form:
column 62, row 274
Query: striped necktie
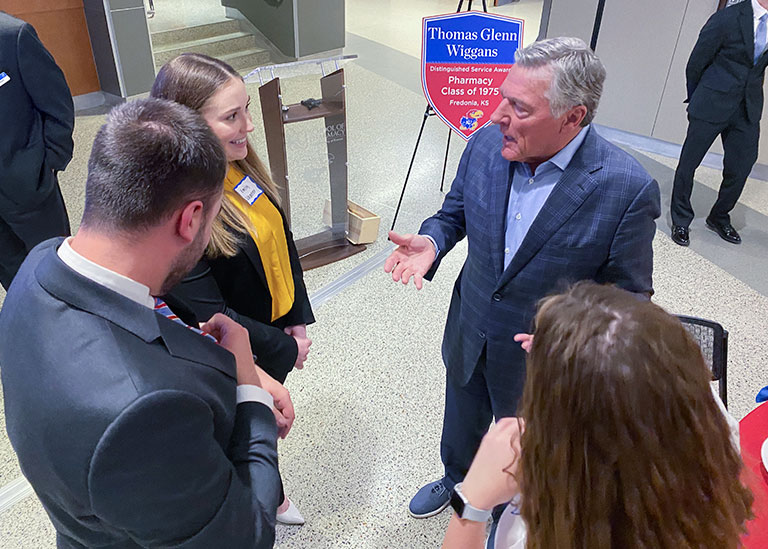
column 163, row 309
column 760, row 37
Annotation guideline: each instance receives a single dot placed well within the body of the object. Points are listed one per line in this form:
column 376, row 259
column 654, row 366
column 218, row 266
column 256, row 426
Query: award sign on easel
column 465, row 57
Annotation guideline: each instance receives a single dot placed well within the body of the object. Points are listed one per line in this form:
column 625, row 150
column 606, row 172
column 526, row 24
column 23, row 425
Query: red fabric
column 753, row 430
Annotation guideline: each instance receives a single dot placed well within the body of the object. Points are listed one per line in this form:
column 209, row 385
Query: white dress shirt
column 138, row 292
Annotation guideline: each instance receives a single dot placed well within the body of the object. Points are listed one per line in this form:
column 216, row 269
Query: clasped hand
column 492, row 478
column 299, row 334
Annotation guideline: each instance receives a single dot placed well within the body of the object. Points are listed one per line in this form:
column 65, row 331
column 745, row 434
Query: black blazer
column 720, row 73
column 126, row 423
column 37, row 116
column 237, row 287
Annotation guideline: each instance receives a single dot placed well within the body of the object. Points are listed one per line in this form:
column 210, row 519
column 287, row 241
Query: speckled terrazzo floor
column 369, row 402
column 755, row 193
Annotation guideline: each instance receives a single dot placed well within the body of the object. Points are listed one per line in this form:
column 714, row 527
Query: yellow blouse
column 270, row 239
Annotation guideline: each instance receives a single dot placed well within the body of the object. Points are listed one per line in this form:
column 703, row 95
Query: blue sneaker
column 430, row 500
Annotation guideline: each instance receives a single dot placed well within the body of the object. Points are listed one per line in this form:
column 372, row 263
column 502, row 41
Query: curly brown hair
column 624, row 445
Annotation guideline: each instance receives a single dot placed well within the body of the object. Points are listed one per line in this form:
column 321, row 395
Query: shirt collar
column 564, row 156
column 561, row 160
column 758, row 10
column 135, row 291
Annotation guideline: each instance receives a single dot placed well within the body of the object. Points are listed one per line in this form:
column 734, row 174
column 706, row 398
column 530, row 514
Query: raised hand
column 234, row 338
column 525, row 341
column 413, row 257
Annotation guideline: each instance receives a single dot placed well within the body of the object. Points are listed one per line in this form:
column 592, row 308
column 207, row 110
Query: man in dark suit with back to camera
column 134, row 429
column 724, row 79
column 558, row 203
column 37, row 117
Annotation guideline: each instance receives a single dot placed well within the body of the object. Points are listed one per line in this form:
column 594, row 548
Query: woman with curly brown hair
column 623, row 444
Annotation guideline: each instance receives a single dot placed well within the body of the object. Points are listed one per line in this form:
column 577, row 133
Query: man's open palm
column 413, row 257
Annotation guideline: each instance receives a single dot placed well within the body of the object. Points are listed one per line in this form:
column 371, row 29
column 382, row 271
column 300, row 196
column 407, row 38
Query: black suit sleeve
column 46, row 86
column 704, row 51
column 275, row 350
column 301, row 312
column 448, row 226
column 158, row 474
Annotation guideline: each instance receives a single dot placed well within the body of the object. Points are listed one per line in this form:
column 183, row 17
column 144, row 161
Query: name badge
column 248, row 189
column 4, row 78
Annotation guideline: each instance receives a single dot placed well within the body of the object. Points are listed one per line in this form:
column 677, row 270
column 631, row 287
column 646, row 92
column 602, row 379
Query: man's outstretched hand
column 413, row 257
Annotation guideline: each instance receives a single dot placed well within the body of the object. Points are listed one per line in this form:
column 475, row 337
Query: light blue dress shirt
column 759, row 26
column 529, row 193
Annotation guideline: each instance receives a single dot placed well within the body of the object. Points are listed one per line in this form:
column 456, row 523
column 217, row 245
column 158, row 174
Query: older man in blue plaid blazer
column 558, row 204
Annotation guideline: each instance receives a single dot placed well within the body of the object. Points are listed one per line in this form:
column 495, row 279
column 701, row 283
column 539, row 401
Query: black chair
column 713, row 340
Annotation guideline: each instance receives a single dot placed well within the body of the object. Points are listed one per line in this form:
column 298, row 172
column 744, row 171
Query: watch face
column 457, row 503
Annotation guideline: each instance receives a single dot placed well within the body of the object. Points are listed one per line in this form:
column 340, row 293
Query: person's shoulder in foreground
column 9, row 24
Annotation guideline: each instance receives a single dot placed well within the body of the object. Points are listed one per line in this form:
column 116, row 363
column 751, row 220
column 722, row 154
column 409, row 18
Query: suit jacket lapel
column 82, row 293
column 746, row 24
column 501, row 183
column 196, row 349
column 575, row 185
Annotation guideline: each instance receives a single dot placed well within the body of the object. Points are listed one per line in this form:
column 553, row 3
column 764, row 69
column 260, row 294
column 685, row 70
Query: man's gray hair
column 577, row 73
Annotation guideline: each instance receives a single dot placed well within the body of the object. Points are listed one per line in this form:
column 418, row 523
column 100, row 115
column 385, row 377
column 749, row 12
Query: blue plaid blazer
column 597, row 224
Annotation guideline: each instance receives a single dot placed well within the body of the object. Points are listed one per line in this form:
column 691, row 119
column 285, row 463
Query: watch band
column 464, row 509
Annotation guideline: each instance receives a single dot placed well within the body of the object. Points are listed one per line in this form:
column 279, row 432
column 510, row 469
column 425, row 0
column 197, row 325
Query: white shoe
column 291, row 515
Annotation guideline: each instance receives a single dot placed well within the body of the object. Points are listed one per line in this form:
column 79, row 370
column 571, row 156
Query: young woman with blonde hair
column 251, row 269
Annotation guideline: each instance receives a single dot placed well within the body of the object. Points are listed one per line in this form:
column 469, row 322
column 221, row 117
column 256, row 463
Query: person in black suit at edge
column 38, row 117
column 134, row 429
column 724, row 78
column 251, row 270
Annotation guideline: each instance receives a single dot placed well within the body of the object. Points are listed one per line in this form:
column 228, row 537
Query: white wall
column 645, row 46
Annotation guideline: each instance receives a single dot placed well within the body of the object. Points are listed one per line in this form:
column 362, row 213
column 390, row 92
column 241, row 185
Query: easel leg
column 445, row 160
column 416, row 148
column 410, row 166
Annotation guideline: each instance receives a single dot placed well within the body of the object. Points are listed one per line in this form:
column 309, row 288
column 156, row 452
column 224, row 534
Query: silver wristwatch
column 463, row 508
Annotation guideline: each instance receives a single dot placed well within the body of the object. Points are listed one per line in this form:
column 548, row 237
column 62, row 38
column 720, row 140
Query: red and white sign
column 465, row 58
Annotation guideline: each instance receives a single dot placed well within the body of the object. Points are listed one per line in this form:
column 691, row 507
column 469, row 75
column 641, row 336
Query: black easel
column 598, row 23
column 427, row 113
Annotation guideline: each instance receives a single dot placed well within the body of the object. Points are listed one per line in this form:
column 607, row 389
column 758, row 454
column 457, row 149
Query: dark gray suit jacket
column 597, row 224
column 125, row 422
column 721, row 72
column 36, row 115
